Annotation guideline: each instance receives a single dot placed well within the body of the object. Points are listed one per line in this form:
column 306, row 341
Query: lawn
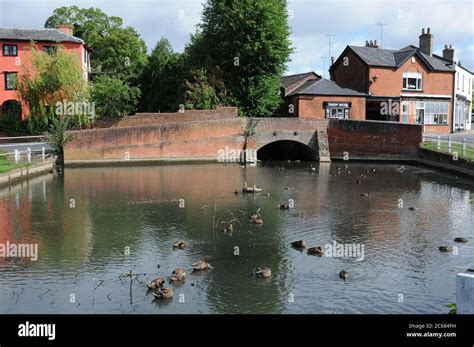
column 455, row 147
column 6, row 165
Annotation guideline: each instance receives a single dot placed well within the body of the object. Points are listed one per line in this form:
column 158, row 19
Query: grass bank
column 455, row 147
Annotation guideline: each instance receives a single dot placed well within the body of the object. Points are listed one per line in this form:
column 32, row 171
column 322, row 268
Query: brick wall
column 162, row 118
column 171, row 141
column 353, row 75
column 312, row 107
column 373, row 140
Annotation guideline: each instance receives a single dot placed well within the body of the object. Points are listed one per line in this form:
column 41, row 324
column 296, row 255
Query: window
column 337, row 112
column 436, row 113
column 463, row 82
column 457, row 80
column 50, row 49
column 10, row 50
column 420, row 112
column 10, row 80
column 412, row 81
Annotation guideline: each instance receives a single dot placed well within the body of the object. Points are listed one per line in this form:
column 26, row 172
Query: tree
column 115, row 50
column 200, row 94
column 162, row 81
column 114, row 97
column 49, row 81
column 249, row 42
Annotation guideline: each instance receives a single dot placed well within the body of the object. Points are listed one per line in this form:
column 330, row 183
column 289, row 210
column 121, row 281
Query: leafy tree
column 162, row 82
column 115, row 50
column 48, row 80
column 249, row 42
column 114, row 97
column 200, row 94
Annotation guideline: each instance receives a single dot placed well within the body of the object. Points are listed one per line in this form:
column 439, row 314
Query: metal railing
column 24, row 139
column 460, row 146
column 27, row 156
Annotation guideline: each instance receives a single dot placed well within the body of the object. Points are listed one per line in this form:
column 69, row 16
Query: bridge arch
column 285, row 149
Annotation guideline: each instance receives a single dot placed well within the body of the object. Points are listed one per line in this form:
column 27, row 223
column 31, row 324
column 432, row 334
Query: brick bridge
column 201, row 135
column 307, row 132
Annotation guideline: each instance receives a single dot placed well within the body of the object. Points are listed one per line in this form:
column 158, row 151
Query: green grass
column 6, row 165
column 455, row 147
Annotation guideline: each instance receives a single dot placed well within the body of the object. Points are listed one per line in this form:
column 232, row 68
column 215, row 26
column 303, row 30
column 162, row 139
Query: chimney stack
column 372, row 44
column 65, row 28
column 448, row 53
column 332, row 61
column 426, row 41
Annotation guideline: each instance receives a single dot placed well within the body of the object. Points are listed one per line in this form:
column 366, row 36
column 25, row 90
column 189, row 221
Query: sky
column 349, row 22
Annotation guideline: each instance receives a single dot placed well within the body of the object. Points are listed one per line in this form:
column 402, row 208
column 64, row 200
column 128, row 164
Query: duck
column 258, row 221
column 460, row 239
column 201, row 265
column 364, row 194
column 163, row 293
column 229, row 227
column 298, row 244
column 313, row 169
column 284, row 206
column 156, row 283
column 178, row 274
column 358, row 181
column 412, row 208
column 316, row 251
column 262, row 272
column 445, row 248
column 179, row 244
column 343, row 275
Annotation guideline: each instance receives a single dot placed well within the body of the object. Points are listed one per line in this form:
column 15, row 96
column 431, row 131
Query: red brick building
column 309, row 96
column 15, row 45
column 409, row 85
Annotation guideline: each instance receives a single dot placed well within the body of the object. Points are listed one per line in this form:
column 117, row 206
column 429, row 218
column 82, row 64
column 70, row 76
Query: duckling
column 178, row 274
column 412, row 208
column 262, row 272
column 284, row 206
column 236, row 192
column 156, row 283
column 344, row 275
column 445, row 249
column 201, row 265
column 313, row 169
column 298, row 244
column 316, row 251
column 460, row 239
column 364, row 194
column 164, row 293
column 258, row 221
column 179, row 244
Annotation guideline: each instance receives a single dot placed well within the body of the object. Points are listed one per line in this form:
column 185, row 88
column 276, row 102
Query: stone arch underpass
column 290, row 139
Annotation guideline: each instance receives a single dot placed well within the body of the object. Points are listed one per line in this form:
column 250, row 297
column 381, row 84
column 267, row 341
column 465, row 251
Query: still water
column 93, row 225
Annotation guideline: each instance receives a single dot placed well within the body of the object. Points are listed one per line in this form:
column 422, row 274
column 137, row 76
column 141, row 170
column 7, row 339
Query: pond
column 92, row 226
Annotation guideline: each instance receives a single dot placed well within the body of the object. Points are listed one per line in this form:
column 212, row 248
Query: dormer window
column 412, row 81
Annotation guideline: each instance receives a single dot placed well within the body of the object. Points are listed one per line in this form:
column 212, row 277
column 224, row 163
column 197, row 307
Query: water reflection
column 92, row 225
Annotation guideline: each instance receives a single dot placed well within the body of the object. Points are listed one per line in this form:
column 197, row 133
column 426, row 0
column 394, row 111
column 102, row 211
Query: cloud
column 350, row 21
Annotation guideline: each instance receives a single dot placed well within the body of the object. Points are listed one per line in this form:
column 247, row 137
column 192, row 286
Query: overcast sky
column 351, row 22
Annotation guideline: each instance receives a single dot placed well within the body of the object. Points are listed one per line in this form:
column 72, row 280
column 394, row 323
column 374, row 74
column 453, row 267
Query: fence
column 461, row 147
column 27, row 156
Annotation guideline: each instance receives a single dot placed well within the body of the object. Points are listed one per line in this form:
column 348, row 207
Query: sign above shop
column 336, row 104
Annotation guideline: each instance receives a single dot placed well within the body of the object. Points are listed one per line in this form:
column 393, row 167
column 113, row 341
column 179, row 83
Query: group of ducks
column 449, row 248
column 157, row 286
column 318, row 250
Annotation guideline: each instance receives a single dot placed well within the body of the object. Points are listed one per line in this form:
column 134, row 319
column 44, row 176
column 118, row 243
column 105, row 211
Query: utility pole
column 381, row 25
column 324, row 63
column 329, row 37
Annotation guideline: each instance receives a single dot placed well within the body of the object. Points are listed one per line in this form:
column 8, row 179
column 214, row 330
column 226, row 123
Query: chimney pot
column 422, row 31
column 428, row 30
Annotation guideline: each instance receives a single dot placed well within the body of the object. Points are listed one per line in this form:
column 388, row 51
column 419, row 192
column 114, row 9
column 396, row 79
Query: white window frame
column 418, row 76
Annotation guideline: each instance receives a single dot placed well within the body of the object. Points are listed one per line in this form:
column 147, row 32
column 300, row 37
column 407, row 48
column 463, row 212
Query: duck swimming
column 165, row 293
column 156, row 283
column 178, row 274
column 201, row 265
column 179, row 244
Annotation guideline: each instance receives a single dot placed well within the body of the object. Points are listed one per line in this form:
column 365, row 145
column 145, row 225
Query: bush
column 114, row 97
column 12, row 125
